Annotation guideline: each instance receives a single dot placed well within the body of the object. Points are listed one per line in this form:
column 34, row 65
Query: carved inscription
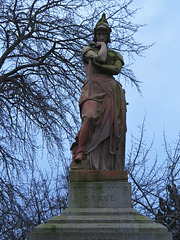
column 100, row 194
column 108, row 197
column 101, row 198
column 102, row 188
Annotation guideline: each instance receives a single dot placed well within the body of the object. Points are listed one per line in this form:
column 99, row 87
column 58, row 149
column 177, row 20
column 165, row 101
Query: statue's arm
column 100, row 57
column 110, row 69
column 102, row 54
column 113, row 65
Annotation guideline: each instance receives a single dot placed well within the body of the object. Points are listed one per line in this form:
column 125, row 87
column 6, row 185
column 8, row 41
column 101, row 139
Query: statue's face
column 102, row 35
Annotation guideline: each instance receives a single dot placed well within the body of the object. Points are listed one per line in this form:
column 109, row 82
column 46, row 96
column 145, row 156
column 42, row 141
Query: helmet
column 102, row 24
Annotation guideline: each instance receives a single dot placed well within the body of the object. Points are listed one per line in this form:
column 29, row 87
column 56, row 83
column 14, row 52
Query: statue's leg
column 88, row 115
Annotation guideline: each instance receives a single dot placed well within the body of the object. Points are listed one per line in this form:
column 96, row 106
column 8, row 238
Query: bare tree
column 40, row 80
column 41, row 70
column 29, row 200
column 155, row 188
column 169, row 203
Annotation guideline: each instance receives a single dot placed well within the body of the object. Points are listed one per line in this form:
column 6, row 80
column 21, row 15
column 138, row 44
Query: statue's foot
column 80, row 166
column 79, row 157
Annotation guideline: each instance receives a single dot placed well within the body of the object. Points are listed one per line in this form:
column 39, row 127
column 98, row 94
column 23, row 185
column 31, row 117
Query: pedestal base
column 100, row 211
column 99, row 195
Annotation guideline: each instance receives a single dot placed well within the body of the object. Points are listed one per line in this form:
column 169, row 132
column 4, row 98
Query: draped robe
column 105, row 149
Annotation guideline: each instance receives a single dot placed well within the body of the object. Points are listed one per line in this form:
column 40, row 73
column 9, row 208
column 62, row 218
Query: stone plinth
column 100, row 211
column 98, row 176
column 99, row 195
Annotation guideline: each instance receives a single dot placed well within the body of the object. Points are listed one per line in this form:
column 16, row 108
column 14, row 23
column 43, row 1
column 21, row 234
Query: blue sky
column 159, row 72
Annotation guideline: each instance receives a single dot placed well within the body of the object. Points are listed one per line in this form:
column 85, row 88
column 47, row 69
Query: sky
column 159, row 72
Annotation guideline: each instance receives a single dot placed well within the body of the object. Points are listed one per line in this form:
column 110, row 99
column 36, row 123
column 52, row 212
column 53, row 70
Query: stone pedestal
column 100, row 209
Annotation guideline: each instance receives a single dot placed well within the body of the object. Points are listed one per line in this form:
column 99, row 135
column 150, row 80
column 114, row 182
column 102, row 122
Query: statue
column 101, row 139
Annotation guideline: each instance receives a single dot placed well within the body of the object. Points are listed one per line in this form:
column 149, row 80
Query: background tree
column 155, row 188
column 41, row 69
column 169, row 202
column 40, row 80
column 29, row 200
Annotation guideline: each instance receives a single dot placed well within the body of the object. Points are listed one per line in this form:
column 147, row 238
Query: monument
column 99, row 198
column 101, row 139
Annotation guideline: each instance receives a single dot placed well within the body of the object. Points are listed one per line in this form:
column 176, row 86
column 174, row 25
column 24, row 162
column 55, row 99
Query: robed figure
column 101, row 139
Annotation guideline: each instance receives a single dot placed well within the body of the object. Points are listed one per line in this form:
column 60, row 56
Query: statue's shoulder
column 115, row 55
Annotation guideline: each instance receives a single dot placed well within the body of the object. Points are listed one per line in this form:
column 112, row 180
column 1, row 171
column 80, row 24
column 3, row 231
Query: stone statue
column 101, row 139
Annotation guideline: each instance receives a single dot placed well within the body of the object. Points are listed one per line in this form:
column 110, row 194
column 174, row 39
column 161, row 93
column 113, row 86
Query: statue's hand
column 89, row 57
column 100, row 44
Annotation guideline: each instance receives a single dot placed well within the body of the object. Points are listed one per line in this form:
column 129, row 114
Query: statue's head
column 102, row 24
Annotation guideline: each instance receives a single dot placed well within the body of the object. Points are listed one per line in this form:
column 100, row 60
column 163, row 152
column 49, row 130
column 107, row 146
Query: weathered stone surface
column 100, row 211
column 100, row 224
column 97, row 176
column 103, row 236
column 99, row 195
